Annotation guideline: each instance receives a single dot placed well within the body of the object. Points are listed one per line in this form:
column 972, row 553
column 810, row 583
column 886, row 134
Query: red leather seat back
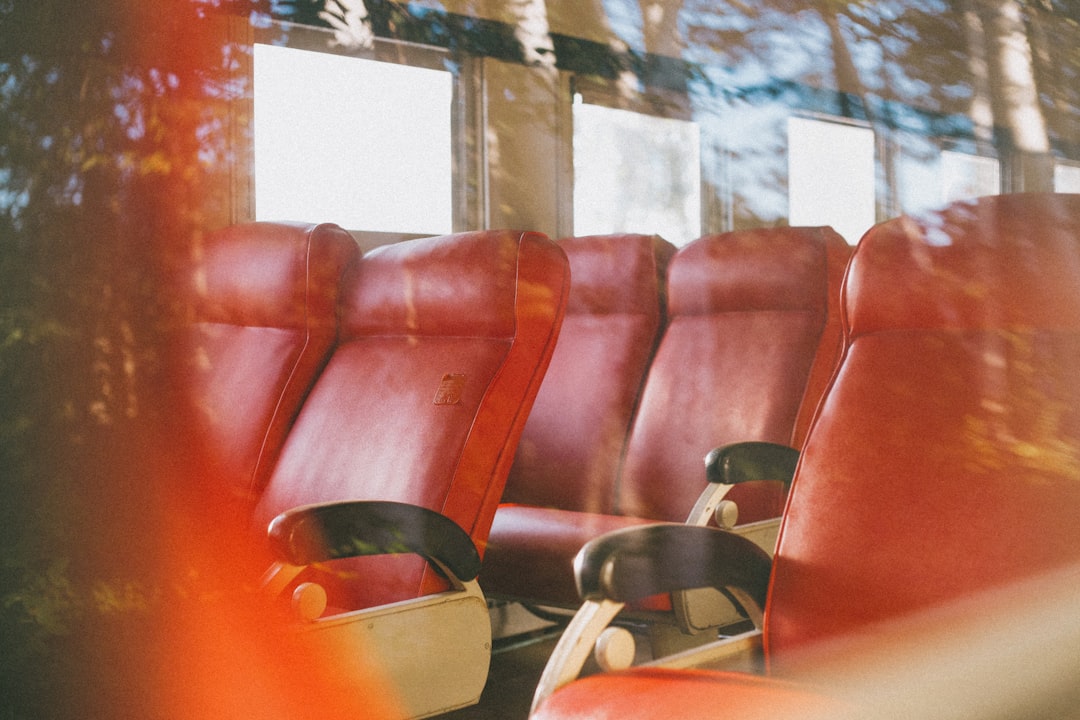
column 831, row 341
column 746, row 311
column 945, row 458
column 261, row 299
column 573, row 442
column 443, row 344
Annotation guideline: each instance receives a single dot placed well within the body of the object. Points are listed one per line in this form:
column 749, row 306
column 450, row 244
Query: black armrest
column 330, row 531
column 636, row 562
column 740, row 462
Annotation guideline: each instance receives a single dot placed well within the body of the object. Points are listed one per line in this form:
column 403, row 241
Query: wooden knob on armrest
column 615, row 649
column 726, row 514
column 309, row 601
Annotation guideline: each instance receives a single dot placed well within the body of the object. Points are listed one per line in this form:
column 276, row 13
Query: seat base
column 451, row 624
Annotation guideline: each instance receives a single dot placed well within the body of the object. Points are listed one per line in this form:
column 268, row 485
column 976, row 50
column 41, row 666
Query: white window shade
column 361, row 143
column 1067, row 178
column 831, row 176
column 636, row 173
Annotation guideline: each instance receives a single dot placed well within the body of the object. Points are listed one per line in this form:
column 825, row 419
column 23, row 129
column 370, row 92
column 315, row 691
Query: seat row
column 663, row 356
column 395, row 425
column 359, row 415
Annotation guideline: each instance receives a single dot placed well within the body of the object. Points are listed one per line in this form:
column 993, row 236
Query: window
column 636, row 173
column 929, row 177
column 362, row 143
column 1066, row 178
column 831, row 176
column 964, row 175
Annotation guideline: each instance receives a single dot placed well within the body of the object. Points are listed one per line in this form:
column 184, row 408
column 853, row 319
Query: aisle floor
column 515, row 671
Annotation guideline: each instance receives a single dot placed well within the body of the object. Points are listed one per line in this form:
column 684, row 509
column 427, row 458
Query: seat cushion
column 533, row 548
column 658, row 694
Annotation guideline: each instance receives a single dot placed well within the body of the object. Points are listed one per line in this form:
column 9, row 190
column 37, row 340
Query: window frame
column 468, row 181
column 626, row 92
column 879, row 161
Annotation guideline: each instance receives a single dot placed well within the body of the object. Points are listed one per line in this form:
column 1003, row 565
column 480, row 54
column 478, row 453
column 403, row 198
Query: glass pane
column 929, row 178
column 1067, row 178
column 352, row 141
column 636, row 173
column 968, row 176
column 831, row 176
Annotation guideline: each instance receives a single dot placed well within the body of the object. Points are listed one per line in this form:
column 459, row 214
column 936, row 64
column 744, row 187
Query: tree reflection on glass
column 113, row 142
column 124, row 140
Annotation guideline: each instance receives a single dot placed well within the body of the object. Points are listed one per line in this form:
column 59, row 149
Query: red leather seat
column 747, row 312
column 943, row 464
column 570, row 453
column 574, row 440
column 385, row 488
column 258, row 303
column 751, row 337
column 441, row 348
column 261, row 300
